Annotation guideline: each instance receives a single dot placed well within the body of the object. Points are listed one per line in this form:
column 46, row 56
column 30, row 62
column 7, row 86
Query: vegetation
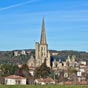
column 8, row 69
column 24, row 71
column 47, row 86
column 72, row 70
column 43, row 71
column 7, row 57
column 78, row 54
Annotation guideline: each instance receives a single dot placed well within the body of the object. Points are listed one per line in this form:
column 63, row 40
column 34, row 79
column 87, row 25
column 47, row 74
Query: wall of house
column 23, row 82
column 13, row 82
column 10, row 82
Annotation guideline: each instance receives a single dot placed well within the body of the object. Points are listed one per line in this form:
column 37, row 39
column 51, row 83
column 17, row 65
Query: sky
column 66, row 24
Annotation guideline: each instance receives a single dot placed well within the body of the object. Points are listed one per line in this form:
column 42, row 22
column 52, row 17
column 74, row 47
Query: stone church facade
column 42, row 55
column 41, row 51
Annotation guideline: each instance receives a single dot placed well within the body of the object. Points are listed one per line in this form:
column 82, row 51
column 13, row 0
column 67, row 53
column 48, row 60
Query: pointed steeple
column 43, row 34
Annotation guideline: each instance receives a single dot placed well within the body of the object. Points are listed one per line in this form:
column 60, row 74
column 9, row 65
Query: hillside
column 8, row 56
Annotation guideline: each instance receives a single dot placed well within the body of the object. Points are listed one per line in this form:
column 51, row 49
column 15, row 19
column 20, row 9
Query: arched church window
column 41, row 48
column 44, row 49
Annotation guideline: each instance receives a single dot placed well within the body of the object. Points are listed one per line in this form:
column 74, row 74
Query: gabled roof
column 46, row 80
column 15, row 77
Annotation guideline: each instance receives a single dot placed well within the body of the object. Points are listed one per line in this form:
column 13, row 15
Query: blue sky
column 66, row 23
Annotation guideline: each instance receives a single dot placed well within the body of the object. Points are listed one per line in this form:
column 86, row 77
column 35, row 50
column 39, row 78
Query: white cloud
column 16, row 5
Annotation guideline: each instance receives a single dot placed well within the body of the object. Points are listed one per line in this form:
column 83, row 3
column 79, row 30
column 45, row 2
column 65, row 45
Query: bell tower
column 41, row 52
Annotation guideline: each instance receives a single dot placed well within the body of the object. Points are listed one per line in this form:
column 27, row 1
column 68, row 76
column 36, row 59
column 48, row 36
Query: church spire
column 43, row 33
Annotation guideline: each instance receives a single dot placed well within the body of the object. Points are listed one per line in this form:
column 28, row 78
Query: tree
column 24, row 72
column 8, row 69
column 72, row 70
column 42, row 72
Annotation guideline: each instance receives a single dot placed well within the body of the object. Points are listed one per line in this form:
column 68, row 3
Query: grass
column 47, row 86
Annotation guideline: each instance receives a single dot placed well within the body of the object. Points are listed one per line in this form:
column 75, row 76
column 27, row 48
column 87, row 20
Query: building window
column 17, row 82
column 44, row 49
column 41, row 48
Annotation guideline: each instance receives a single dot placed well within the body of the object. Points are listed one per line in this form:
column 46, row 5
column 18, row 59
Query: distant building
column 16, row 53
column 82, row 64
column 15, row 80
column 41, row 51
column 45, row 81
column 23, row 52
column 31, row 62
column 70, row 61
column 54, row 54
column 28, row 52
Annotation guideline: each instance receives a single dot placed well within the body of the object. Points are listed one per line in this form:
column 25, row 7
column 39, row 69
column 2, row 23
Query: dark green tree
column 24, row 71
column 42, row 72
column 8, row 69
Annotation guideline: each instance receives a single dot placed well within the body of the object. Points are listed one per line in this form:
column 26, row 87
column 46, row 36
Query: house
column 54, row 54
column 44, row 81
column 23, row 52
column 19, row 53
column 15, row 80
column 16, row 53
column 28, row 52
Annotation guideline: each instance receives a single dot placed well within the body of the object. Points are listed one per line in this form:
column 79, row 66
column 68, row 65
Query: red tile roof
column 46, row 80
column 15, row 77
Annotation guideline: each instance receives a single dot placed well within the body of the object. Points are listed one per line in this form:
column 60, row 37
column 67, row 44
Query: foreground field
column 50, row 86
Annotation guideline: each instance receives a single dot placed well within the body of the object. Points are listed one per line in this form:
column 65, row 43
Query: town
column 41, row 69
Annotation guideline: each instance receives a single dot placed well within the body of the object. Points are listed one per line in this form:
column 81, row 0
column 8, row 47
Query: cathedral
column 42, row 55
column 41, row 51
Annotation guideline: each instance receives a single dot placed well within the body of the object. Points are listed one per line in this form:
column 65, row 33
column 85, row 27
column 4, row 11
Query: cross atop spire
column 43, row 33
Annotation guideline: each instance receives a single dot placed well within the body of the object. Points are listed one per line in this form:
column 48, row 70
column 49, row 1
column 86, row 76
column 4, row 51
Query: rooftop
column 15, row 77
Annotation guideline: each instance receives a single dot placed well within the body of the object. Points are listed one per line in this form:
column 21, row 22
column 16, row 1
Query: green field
column 50, row 86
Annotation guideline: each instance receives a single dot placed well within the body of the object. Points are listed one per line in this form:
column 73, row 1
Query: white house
column 15, row 80
column 16, row 53
column 79, row 74
column 23, row 52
